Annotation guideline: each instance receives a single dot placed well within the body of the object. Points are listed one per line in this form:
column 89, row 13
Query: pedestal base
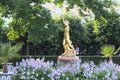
column 67, row 60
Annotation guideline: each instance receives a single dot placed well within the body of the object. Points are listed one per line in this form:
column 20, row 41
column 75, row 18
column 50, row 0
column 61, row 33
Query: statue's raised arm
column 66, row 23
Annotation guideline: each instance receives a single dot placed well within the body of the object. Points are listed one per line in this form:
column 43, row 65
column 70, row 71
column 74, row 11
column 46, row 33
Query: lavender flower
column 38, row 69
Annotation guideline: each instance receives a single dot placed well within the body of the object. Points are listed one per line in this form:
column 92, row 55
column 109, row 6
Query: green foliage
column 106, row 23
column 107, row 50
column 3, row 31
column 31, row 22
column 27, row 17
column 12, row 35
column 105, row 16
column 8, row 52
column 116, row 51
column 98, row 23
column 16, row 48
column 1, row 28
column 5, row 49
column 98, row 7
column 78, row 32
column 110, row 33
column 1, row 22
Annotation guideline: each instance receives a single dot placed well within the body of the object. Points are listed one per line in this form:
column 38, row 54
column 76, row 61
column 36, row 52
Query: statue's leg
column 71, row 47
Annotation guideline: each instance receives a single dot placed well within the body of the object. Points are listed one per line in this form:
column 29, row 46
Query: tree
column 32, row 23
column 110, row 33
column 105, row 23
column 30, row 20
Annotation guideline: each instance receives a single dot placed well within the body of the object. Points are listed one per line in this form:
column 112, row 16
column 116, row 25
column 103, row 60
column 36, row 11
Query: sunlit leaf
column 107, row 50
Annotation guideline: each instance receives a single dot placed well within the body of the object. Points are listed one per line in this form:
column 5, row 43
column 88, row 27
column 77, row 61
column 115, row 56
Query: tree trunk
column 27, row 49
column 5, row 68
column 110, row 60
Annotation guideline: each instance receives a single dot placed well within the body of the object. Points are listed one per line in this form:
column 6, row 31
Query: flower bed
column 36, row 69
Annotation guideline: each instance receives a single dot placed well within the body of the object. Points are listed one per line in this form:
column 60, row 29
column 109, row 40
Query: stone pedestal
column 67, row 60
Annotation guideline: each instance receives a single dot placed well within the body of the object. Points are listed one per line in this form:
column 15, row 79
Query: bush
column 40, row 70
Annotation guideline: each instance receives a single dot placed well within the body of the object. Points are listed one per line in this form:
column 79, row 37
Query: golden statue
column 67, row 43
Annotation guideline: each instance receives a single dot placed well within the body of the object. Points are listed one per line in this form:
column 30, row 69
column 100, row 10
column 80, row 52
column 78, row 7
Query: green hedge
column 96, row 59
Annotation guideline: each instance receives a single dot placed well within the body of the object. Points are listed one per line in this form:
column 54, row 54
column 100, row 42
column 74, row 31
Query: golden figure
column 67, row 43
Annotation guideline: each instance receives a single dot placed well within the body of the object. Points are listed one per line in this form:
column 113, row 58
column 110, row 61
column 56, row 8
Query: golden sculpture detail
column 67, row 43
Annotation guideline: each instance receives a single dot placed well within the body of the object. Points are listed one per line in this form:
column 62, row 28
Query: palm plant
column 7, row 52
column 109, row 50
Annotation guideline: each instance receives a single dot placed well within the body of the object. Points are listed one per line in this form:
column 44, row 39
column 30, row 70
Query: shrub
column 32, row 69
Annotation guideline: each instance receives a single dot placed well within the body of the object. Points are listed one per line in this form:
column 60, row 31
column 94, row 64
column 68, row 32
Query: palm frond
column 8, row 52
column 5, row 49
column 116, row 51
column 16, row 48
column 107, row 50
